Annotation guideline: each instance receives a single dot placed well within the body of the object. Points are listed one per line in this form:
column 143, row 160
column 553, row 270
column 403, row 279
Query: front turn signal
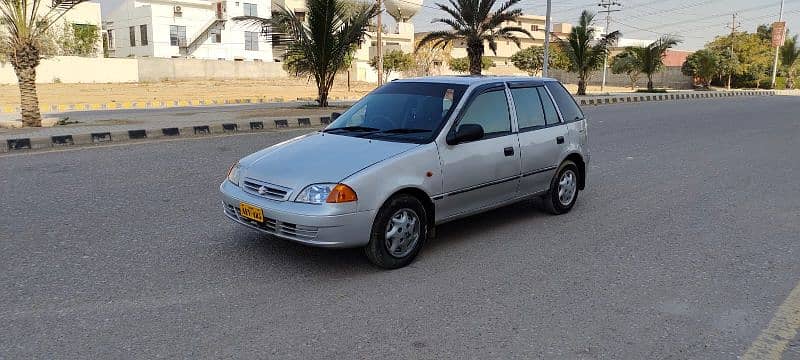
column 341, row 193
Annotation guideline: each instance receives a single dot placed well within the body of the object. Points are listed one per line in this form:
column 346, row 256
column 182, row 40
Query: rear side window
column 569, row 109
column 549, row 109
column 489, row 110
column 530, row 113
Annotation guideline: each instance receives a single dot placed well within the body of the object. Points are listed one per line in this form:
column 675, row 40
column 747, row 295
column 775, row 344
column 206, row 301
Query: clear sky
column 695, row 21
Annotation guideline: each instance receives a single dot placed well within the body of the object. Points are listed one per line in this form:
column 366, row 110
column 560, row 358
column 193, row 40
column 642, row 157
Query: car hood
column 318, row 158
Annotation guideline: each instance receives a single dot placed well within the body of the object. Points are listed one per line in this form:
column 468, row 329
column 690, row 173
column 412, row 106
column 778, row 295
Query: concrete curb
column 131, row 136
column 643, row 97
column 248, row 126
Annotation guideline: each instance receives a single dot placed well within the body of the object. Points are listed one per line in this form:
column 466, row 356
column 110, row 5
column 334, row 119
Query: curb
column 133, row 105
column 195, row 131
column 615, row 99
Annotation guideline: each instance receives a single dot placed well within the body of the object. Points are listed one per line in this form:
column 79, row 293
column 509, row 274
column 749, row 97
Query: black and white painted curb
column 632, row 98
column 57, row 141
column 47, row 142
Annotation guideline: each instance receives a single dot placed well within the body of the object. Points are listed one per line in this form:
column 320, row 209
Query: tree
column 764, row 32
column 627, row 63
column 558, row 59
column 727, row 65
column 394, row 60
column 789, row 55
column 24, row 29
column 428, row 57
column 320, row 46
column 702, row 64
column 530, row 60
column 474, row 22
column 651, row 57
column 754, row 55
column 463, row 65
column 584, row 52
column 78, row 39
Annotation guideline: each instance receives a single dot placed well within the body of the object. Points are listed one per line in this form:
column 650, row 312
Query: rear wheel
column 399, row 230
column 563, row 189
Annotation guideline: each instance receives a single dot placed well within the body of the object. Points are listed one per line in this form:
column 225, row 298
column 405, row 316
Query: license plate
column 251, row 212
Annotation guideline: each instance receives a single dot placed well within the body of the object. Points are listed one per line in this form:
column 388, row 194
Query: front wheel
column 563, row 189
column 399, row 230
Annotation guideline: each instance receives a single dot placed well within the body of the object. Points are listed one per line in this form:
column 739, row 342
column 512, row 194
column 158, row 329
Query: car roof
column 477, row 79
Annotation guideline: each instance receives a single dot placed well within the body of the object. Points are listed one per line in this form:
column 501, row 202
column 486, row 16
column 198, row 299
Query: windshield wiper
column 353, row 128
column 405, row 131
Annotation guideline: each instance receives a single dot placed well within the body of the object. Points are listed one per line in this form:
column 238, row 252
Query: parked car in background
column 413, row 154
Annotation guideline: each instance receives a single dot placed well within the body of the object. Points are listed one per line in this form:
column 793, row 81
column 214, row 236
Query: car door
column 542, row 136
column 481, row 173
column 572, row 115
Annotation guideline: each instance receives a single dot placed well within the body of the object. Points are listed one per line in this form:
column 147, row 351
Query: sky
column 696, row 22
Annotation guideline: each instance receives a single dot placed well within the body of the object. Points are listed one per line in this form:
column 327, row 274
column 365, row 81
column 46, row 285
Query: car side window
column 569, row 109
column 551, row 115
column 489, row 110
column 528, row 105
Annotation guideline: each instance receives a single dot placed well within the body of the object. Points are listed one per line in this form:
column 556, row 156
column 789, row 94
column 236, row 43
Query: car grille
column 275, row 227
column 270, row 191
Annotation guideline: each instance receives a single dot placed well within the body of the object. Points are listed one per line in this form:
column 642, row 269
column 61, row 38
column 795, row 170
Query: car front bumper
column 303, row 223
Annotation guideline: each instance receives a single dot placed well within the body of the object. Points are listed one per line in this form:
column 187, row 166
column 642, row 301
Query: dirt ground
column 288, row 89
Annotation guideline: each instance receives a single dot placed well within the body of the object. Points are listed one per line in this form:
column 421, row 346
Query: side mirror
column 465, row 133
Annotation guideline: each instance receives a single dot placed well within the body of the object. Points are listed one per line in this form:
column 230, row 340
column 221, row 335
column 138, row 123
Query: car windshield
column 400, row 111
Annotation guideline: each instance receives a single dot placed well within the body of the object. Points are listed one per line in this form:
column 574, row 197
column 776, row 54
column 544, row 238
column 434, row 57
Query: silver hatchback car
column 413, row 154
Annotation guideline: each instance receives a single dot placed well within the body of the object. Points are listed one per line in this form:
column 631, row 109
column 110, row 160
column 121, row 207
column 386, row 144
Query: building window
column 251, row 40
column 143, row 34
column 215, row 35
column 132, row 35
column 535, row 27
column 250, row 9
column 177, row 35
column 110, row 35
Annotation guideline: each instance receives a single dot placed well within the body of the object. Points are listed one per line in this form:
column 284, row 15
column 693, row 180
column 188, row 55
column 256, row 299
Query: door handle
column 509, row 151
column 560, row 140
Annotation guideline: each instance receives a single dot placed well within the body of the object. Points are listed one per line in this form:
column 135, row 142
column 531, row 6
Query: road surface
column 685, row 245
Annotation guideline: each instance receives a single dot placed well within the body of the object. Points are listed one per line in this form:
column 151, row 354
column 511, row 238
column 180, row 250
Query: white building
column 188, row 28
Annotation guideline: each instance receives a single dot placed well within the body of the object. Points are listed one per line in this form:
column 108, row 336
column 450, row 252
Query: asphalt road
column 683, row 246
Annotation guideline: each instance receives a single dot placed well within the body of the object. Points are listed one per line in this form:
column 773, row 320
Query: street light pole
column 777, row 49
column 607, row 5
column 547, row 39
column 380, row 45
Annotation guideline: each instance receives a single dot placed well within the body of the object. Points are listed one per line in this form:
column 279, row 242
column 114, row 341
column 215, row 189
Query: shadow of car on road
column 337, row 262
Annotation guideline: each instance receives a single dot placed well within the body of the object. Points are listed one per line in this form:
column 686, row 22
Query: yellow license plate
column 251, row 212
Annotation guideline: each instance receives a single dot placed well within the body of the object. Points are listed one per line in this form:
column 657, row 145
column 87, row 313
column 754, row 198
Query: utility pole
column 733, row 28
column 608, row 6
column 380, row 44
column 547, row 39
column 777, row 49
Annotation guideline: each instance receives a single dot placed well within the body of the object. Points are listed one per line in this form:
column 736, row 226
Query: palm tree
column 790, row 52
column 474, row 22
column 584, row 53
column 24, row 26
column 651, row 57
column 627, row 63
column 321, row 46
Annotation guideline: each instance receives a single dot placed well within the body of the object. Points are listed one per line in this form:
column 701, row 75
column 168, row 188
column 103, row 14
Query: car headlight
column 326, row 193
column 234, row 173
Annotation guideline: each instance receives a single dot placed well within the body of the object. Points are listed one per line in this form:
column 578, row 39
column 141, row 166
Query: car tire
column 398, row 232
column 564, row 189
